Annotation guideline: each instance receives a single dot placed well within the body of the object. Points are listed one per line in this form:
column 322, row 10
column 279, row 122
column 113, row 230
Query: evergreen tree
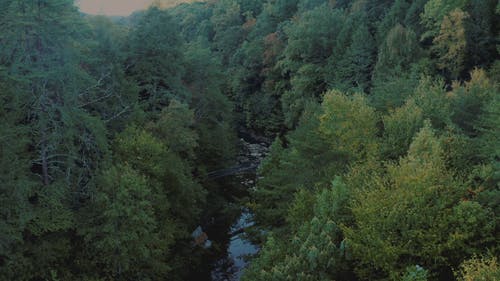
column 315, row 250
column 155, row 59
column 17, row 185
column 310, row 42
column 62, row 144
column 435, row 12
column 394, row 77
column 326, row 142
column 354, row 69
column 480, row 33
column 394, row 17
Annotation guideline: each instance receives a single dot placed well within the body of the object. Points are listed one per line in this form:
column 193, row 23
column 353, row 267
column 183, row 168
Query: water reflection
column 230, row 268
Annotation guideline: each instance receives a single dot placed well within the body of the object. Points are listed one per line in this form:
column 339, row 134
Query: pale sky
column 112, row 7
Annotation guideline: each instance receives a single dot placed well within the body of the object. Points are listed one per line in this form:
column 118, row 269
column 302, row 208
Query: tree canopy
column 383, row 117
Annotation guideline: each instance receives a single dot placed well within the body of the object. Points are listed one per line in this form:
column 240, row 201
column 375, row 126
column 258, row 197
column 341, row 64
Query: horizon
column 112, row 7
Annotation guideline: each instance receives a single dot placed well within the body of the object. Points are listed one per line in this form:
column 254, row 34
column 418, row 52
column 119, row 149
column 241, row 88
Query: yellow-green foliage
column 479, row 269
column 450, row 43
column 418, row 213
column 349, row 125
column 435, row 11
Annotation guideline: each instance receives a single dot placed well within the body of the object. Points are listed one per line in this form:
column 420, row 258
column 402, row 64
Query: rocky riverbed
column 252, row 154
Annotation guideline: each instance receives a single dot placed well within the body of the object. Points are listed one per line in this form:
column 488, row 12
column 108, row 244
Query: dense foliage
column 107, row 132
column 385, row 117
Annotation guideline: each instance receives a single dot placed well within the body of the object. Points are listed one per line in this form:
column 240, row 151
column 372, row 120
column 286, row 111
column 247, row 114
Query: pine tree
column 315, row 249
column 355, row 68
column 155, row 59
column 44, row 52
column 63, row 145
column 480, row 33
column 17, row 185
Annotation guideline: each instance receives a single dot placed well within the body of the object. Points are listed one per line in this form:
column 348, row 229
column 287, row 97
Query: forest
column 383, row 118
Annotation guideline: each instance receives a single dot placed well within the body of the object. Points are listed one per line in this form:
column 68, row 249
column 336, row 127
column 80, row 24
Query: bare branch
column 117, row 115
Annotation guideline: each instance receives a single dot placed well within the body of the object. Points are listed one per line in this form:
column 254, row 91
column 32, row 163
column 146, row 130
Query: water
column 231, row 267
column 229, row 254
column 239, row 249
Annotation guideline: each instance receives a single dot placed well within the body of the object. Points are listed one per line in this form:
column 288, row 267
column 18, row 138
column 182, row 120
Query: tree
column 400, row 127
column 480, row 33
column 315, row 250
column 430, row 95
column 450, row 44
column 422, row 216
column 327, row 141
column 113, row 97
column 227, row 21
column 416, row 273
column 60, row 144
column 394, row 17
column 305, row 163
column 177, row 198
column 212, row 109
column 355, row 68
column 155, row 59
column 169, row 176
column 475, row 269
column 397, row 52
column 45, row 62
column 194, row 21
column 393, row 76
column 120, row 229
column 434, row 13
column 413, row 16
column 311, row 41
column 348, row 124
column 470, row 99
column 175, row 127
column 17, row 185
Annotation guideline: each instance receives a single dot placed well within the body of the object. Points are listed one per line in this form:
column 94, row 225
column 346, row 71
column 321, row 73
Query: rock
column 207, row 244
column 199, row 237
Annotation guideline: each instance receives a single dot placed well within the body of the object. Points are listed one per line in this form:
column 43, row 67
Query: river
column 230, row 268
column 230, row 252
column 240, row 249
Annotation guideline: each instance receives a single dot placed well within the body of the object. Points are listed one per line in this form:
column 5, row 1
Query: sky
column 112, row 7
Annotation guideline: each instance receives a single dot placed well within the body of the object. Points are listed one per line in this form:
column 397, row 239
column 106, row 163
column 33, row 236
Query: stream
column 231, row 267
column 239, row 249
column 230, row 251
